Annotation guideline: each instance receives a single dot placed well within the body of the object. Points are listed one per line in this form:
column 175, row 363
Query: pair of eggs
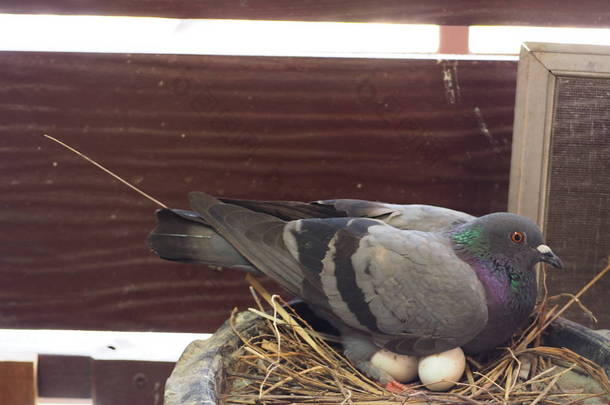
column 437, row 372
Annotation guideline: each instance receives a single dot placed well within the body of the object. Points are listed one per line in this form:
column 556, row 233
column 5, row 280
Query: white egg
column 438, row 371
column 402, row 368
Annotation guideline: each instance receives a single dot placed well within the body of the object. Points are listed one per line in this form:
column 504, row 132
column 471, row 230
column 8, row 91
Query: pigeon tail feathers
column 183, row 236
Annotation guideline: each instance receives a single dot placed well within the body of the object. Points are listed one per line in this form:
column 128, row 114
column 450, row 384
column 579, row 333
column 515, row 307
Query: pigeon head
column 505, row 238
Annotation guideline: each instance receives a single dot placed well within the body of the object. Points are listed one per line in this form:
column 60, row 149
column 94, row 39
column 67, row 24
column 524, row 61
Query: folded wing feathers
column 255, row 235
column 416, row 285
column 372, row 276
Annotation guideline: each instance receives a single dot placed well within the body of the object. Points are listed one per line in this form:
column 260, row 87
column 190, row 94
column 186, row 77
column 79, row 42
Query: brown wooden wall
column 585, row 13
column 72, row 246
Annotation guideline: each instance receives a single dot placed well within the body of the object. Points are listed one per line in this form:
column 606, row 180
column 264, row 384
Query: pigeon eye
column 517, row 237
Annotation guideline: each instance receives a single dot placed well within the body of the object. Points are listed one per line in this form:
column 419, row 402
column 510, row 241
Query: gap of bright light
column 213, row 37
column 26, row 344
column 507, row 40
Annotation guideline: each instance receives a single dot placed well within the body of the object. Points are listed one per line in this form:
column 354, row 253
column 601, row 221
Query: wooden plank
column 586, row 13
column 453, row 40
column 17, row 383
column 64, row 376
column 73, row 248
column 129, row 382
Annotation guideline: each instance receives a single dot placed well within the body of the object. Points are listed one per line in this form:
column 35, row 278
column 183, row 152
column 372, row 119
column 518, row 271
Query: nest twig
column 287, row 362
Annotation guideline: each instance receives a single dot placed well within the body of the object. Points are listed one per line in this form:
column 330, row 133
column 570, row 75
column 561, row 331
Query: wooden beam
column 453, row 40
column 129, row 382
column 17, row 383
column 64, row 376
column 586, row 13
column 115, row 382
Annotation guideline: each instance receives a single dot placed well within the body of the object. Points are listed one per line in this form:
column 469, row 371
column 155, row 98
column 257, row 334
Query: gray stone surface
column 576, row 381
column 199, row 376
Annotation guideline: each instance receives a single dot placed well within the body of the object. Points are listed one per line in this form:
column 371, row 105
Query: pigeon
column 412, row 279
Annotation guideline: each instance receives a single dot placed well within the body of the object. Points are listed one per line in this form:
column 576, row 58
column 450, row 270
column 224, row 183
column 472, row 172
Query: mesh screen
column 578, row 209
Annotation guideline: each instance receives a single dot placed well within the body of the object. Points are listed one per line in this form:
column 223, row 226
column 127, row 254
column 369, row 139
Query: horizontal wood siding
column 587, row 13
column 72, row 246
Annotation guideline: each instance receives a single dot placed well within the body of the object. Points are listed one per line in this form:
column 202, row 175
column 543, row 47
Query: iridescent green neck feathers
column 472, row 240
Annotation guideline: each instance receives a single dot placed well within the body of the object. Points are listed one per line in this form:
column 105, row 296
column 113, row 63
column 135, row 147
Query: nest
column 287, row 362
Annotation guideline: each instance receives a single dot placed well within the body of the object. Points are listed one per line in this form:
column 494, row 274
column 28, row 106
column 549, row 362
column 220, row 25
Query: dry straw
column 287, row 362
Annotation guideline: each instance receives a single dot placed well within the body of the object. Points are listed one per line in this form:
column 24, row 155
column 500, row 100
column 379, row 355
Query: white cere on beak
column 544, row 249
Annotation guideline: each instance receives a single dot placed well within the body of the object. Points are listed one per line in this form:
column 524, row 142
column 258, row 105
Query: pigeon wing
column 419, row 217
column 425, row 299
column 407, row 289
column 410, row 216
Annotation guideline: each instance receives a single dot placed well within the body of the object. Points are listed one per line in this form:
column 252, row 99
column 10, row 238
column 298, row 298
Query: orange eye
column 517, row 237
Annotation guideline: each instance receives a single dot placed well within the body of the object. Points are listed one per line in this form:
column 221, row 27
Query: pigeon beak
column 547, row 255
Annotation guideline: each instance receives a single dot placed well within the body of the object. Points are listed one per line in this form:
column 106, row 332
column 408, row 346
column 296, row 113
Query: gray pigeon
column 414, row 279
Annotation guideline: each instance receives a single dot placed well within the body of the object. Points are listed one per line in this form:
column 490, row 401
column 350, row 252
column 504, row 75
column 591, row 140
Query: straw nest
column 287, row 362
